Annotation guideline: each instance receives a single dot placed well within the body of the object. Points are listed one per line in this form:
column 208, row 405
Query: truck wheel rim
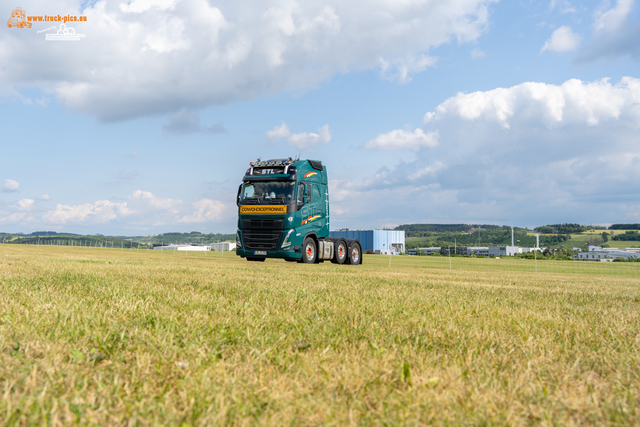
column 309, row 251
column 341, row 251
column 354, row 254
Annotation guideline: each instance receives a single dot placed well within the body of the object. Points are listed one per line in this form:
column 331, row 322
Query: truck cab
column 283, row 212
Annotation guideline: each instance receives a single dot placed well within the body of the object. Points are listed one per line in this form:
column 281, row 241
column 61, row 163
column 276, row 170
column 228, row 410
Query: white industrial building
column 426, row 251
column 176, row 247
column 597, row 253
column 224, row 246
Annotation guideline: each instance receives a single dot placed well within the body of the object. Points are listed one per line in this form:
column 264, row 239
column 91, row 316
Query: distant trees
column 425, row 230
column 624, row 227
column 561, row 228
column 627, row 236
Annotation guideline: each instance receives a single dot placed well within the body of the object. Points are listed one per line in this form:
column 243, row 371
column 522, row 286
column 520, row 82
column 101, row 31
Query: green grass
column 102, row 337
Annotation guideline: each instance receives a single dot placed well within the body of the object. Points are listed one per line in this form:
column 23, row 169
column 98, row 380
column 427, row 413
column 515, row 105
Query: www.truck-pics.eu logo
column 20, row 19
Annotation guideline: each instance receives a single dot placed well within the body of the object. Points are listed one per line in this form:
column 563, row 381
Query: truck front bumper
column 290, row 254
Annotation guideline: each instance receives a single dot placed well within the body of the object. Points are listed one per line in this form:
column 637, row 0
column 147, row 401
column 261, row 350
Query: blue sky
column 471, row 111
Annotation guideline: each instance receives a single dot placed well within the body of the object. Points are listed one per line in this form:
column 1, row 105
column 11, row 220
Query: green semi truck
column 283, row 212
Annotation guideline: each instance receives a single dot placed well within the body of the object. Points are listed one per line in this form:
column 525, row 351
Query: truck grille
column 262, row 234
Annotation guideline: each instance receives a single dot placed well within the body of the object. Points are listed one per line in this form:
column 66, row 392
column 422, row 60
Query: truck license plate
column 260, row 253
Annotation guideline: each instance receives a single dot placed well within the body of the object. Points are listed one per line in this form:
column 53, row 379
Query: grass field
column 109, row 337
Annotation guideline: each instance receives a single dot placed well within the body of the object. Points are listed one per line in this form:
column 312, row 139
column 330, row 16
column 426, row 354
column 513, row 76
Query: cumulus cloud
column 25, row 204
column 400, row 70
column 158, row 57
column 534, row 151
column 146, row 198
column 43, row 197
column 403, row 140
column 615, row 34
column 98, row 212
column 301, row 141
column 572, row 102
column 142, row 209
column 564, row 6
column 206, row 210
column 562, row 40
column 10, row 186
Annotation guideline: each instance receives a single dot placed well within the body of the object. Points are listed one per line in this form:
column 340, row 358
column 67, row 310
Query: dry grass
column 105, row 337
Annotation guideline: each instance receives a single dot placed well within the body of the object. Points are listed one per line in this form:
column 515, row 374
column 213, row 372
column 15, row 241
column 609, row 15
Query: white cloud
column 207, row 210
column 400, row 70
column 562, row 40
column 279, row 132
column 612, row 19
column 154, row 202
column 536, row 152
column 142, row 209
column 98, row 212
column 13, row 218
column 25, row 204
column 478, row 54
column 574, row 101
column 44, row 198
column 564, row 6
column 158, row 57
column 10, row 186
column 301, row 141
column 614, row 33
column 403, row 140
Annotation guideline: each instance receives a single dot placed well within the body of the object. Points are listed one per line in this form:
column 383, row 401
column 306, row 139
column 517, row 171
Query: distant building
column 478, row 250
column 175, row 247
column 607, row 254
column 504, row 250
column 224, row 246
column 377, row 241
column 425, row 251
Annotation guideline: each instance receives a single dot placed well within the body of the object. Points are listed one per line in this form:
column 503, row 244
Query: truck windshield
column 267, row 192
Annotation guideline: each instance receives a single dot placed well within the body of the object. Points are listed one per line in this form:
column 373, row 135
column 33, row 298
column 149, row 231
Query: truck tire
column 256, row 259
column 309, row 251
column 355, row 255
column 341, row 252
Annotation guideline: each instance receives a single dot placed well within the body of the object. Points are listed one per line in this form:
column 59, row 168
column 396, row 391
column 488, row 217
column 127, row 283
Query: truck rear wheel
column 356, row 254
column 309, row 251
column 341, row 252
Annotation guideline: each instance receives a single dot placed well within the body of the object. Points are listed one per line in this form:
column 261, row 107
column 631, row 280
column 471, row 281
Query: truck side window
column 300, row 198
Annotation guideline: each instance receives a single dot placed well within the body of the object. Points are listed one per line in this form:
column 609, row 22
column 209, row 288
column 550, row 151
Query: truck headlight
column 286, row 241
column 238, row 241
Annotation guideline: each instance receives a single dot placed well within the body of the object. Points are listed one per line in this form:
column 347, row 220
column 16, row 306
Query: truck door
column 311, row 211
column 316, row 206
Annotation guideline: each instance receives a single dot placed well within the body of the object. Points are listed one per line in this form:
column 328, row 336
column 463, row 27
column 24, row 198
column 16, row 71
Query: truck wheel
column 309, row 251
column 356, row 254
column 256, row 259
column 341, row 252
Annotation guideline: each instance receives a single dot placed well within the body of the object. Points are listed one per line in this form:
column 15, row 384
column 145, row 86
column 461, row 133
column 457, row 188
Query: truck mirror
column 238, row 196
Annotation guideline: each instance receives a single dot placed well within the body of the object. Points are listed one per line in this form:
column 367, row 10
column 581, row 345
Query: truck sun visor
column 316, row 165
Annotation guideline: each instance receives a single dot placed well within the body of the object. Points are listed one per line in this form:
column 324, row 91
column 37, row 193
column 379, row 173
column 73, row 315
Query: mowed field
column 112, row 337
